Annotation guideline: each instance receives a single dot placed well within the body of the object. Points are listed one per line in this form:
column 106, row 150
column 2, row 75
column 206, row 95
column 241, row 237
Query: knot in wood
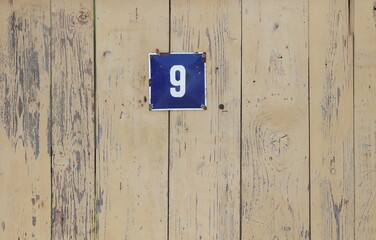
column 84, row 16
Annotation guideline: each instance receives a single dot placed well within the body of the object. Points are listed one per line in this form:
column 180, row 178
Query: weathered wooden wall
column 275, row 123
column 290, row 154
column 331, row 121
column 25, row 143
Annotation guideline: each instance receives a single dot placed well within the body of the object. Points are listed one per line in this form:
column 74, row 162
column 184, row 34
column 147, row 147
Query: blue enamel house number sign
column 177, row 81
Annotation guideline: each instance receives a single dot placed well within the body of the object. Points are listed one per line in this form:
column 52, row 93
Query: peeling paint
column 99, row 136
column 20, row 86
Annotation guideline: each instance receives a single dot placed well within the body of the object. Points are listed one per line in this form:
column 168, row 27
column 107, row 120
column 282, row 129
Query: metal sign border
column 177, row 109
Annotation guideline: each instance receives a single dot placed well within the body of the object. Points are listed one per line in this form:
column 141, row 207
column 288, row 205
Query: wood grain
column 331, row 92
column 285, row 149
column 275, row 170
column 24, row 109
column 132, row 143
column 72, row 119
column 365, row 119
column 205, row 145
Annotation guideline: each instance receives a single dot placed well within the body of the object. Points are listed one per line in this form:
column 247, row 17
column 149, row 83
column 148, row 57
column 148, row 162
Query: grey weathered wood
column 72, row 120
column 275, row 153
column 205, row 145
column 25, row 192
column 365, row 118
column 331, row 120
column 132, row 143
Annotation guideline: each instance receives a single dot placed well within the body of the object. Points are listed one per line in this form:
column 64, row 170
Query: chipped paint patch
column 99, row 136
column 20, row 85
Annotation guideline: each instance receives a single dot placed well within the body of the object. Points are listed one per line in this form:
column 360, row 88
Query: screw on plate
column 203, row 57
column 150, row 82
column 203, row 106
column 150, row 107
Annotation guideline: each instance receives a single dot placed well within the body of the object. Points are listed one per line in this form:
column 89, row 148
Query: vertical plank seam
column 241, row 126
column 351, row 6
column 351, row 15
column 168, row 133
column 309, row 127
column 50, row 127
column 95, row 119
column 354, row 159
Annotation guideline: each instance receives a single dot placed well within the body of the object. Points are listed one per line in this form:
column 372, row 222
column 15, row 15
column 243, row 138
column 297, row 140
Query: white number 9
column 177, row 83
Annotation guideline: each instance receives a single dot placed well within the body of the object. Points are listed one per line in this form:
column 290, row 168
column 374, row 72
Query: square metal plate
column 177, row 81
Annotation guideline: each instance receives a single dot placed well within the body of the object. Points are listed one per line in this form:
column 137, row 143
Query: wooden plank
column 72, row 119
column 331, row 94
column 132, row 143
column 24, row 115
column 205, row 145
column 365, row 119
column 275, row 165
